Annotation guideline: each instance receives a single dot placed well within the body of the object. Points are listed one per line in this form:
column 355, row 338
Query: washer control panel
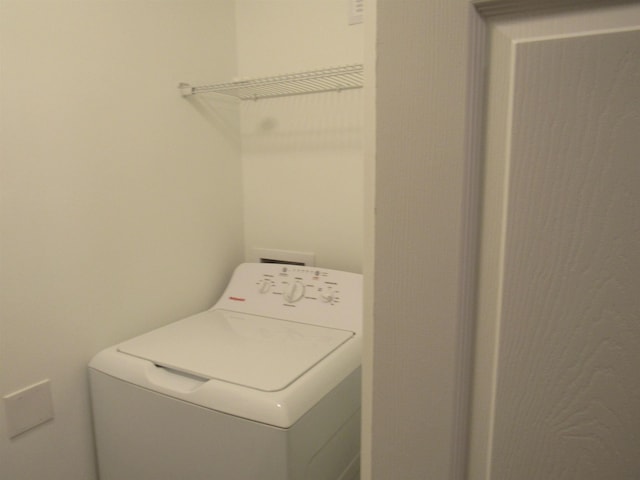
column 304, row 294
column 297, row 284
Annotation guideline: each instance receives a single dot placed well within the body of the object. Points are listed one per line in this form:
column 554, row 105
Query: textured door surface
column 512, row 126
column 558, row 376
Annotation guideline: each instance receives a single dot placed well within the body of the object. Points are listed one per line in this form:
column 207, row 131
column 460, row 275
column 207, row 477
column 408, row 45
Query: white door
column 557, row 383
column 550, row 155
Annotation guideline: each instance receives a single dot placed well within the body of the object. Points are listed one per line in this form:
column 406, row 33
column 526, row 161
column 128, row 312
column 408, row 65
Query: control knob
column 264, row 286
column 294, row 292
column 327, row 296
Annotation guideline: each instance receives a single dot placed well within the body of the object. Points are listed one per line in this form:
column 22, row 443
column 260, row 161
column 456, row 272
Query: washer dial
column 294, row 291
column 264, row 286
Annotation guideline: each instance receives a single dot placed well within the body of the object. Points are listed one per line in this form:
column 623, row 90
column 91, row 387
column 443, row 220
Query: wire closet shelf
column 340, row 78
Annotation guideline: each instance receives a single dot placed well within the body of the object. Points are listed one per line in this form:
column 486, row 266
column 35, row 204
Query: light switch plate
column 356, row 9
column 28, row 408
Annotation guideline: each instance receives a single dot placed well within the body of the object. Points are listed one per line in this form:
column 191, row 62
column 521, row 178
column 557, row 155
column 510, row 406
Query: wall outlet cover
column 28, row 408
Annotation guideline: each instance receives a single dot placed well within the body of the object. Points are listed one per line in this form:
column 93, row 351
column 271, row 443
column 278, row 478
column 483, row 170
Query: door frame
column 389, row 253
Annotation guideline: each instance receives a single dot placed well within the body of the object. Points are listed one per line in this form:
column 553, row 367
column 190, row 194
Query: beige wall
column 121, row 206
column 302, row 156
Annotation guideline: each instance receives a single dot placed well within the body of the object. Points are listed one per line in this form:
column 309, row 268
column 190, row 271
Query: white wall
column 302, row 156
column 121, row 207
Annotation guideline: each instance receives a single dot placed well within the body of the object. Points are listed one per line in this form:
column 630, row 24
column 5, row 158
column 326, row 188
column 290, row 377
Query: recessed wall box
column 266, row 255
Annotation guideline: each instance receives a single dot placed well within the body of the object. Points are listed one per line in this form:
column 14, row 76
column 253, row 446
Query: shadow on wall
column 220, row 111
column 327, row 121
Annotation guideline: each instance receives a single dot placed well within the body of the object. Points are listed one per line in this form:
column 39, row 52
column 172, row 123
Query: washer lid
column 258, row 352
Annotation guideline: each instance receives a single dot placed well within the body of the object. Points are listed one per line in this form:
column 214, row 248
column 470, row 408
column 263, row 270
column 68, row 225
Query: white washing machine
column 263, row 386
